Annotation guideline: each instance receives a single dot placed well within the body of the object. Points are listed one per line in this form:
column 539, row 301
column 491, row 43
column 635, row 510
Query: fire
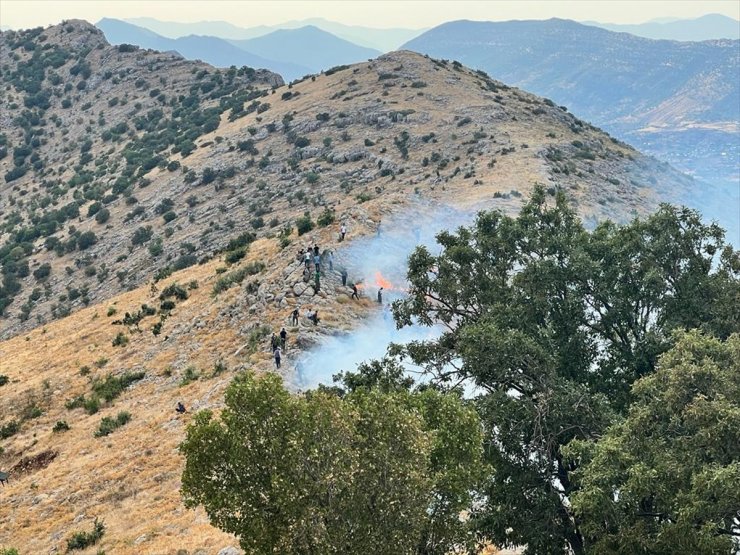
column 381, row 281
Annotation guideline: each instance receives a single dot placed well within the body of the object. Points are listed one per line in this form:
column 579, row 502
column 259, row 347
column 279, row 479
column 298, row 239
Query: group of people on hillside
column 313, row 259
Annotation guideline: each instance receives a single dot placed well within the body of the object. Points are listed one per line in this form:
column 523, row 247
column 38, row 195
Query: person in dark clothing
column 317, row 280
column 180, row 408
column 380, row 296
column 314, row 317
column 344, row 278
column 277, row 357
column 316, row 250
column 354, row 292
column 317, row 263
column 274, row 342
column 294, row 317
column 283, row 337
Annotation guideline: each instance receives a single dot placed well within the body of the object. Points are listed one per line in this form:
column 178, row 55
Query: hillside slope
column 677, row 100
column 115, row 174
column 205, row 236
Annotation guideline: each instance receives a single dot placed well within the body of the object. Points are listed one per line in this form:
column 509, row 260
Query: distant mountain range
column 308, row 47
column 666, row 97
column 292, row 53
column 212, row 50
column 383, row 40
column 707, row 27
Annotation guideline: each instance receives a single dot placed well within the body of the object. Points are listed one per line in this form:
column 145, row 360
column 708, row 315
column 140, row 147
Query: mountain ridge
column 213, row 50
column 642, row 90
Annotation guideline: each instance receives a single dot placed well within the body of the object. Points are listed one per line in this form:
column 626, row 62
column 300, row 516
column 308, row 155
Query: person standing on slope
column 277, row 358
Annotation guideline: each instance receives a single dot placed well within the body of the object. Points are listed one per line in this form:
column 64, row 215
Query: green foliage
column 190, row 375
column 242, row 240
column 86, row 240
column 668, row 474
column 9, row 429
column 60, row 426
column 102, row 216
column 232, row 257
column 3, row 379
column 325, row 218
column 312, row 177
column 107, row 390
column 555, row 324
column 141, row 235
column 304, row 224
column 366, row 472
column 82, row 540
column 120, row 340
column 335, row 69
column 237, row 276
column 248, row 147
column 108, row 424
column 174, row 290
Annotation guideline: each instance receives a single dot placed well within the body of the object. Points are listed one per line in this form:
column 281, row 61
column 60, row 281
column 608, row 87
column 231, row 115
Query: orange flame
column 381, row 281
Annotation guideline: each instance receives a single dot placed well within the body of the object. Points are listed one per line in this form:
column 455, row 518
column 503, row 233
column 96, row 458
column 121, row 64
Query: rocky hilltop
column 120, row 163
column 151, row 216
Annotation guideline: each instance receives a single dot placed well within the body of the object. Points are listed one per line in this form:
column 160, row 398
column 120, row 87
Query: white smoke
column 385, row 253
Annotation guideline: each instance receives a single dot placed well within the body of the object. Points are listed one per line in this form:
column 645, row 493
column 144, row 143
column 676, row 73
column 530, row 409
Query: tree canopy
column 667, row 479
column 553, row 324
column 364, row 472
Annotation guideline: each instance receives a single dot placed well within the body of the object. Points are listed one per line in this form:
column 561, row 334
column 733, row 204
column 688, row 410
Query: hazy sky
column 371, row 13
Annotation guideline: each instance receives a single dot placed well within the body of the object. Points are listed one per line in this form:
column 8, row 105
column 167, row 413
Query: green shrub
column 237, row 276
column 82, row 540
column 312, row 177
column 191, row 374
column 108, row 425
column 120, row 340
column 9, row 429
column 173, row 290
column 112, row 386
column 304, row 224
column 86, row 240
column 60, row 426
column 326, row 218
column 4, row 379
column 102, row 216
column 236, row 255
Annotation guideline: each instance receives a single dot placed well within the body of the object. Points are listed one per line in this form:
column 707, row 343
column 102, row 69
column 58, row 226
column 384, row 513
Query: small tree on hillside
column 367, row 472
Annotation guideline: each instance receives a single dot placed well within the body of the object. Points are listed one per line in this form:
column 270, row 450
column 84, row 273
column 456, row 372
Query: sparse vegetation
column 109, row 424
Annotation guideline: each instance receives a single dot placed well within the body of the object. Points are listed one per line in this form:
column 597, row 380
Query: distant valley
column 679, row 101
